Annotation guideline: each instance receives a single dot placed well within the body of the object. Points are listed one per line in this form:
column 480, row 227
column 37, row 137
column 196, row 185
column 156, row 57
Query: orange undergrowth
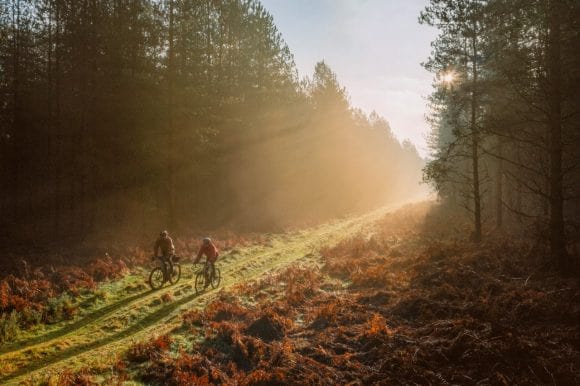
column 401, row 306
column 43, row 295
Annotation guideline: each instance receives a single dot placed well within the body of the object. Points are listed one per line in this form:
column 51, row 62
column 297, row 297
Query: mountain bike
column 169, row 271
column 204, row 277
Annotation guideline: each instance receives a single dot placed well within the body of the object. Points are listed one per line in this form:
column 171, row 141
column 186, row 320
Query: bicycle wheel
column 199, row 282
column 216, row 279
column 156, row 278
column 176, row 274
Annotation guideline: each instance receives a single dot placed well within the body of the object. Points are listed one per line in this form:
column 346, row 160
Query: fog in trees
column 119, row 118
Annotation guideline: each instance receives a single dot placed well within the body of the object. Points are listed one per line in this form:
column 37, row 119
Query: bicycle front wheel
column 199, row 282
column 175, row 274
column 156, row 278
column 216, row 279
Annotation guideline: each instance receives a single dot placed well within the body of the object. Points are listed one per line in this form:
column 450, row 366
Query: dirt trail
column 100, row 336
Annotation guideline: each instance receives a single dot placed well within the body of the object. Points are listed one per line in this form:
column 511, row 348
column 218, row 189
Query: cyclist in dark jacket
column 164, row 244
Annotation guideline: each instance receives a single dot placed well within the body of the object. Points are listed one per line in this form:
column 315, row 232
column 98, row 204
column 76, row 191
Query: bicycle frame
column 166, row 265
column 205, row 269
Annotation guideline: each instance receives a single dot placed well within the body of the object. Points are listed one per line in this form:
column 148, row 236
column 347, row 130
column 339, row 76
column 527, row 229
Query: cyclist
column 164, row 244
column 211, row 253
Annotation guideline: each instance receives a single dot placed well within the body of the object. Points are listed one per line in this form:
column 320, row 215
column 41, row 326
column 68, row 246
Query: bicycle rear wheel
column 156, row 278
column 175, row 274
column 199, row 281
column 216, row 279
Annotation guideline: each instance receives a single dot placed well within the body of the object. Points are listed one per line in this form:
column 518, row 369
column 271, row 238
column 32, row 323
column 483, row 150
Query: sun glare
column 448, row 77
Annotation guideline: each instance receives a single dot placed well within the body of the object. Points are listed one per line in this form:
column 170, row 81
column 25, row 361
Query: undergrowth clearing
column 408, row 303
column 116, row 314
column 395, row 299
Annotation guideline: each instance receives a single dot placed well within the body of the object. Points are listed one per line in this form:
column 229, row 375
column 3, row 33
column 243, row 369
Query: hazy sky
column 374, row 46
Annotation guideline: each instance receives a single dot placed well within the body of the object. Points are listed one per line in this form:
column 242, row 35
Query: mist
column 122, row 125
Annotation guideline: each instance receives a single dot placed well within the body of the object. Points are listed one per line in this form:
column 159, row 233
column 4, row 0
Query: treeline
column 121, row 117
column 506, row 116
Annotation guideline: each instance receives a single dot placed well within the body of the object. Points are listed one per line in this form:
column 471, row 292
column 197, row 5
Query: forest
column 506, row 117
column 341, row 253
column 120, row 118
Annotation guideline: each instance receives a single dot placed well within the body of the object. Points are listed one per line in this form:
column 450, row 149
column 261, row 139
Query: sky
column 375, row 47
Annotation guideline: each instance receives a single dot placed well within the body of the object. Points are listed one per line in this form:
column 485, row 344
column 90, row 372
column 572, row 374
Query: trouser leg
column 167, row 265
column 207, row 272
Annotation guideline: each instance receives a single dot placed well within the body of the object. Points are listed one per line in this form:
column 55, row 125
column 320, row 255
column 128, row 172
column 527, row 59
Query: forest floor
column 121, row 312
column 392, row 297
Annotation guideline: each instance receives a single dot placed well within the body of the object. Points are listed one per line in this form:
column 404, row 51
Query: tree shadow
column 69, row 328
column 131, row 330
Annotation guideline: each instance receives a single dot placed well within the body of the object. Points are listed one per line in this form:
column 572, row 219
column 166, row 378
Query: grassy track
column 100, row 335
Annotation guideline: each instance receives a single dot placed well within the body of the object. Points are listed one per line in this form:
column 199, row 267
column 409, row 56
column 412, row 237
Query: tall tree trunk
column 519, row 187
column 557, row 236
column 57, row 122
column 499, row 186
column 475, row 144
column 49, row 114
column 170, row 124
column 94, row 174
column 83, row 132
column 16, row 126
column 139, row 188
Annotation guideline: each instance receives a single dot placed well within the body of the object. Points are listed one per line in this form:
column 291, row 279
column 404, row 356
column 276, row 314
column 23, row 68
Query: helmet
column 206, row 240
column 163, row 234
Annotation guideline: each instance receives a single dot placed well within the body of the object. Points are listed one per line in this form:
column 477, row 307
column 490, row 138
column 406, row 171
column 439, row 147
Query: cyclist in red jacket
column 211, row 253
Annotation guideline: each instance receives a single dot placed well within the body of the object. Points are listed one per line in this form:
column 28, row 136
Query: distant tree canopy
column 506, row 115
column 123, row 117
